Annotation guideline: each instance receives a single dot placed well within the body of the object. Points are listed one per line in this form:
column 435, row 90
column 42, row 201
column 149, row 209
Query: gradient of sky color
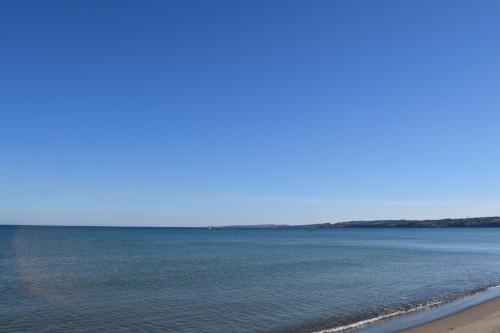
column 185, row 113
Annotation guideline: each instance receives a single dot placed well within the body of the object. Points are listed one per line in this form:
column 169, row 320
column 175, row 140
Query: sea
column 188, row 280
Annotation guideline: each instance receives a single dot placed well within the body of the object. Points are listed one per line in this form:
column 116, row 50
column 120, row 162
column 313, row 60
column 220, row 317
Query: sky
column 196, row 113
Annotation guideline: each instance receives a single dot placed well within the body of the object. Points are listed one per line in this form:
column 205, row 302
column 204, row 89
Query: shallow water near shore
column 59, row 279
column 395, row 322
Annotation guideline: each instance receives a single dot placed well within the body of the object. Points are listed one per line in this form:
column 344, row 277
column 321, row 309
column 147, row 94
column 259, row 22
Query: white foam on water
column 373, row 320
column 381, row 317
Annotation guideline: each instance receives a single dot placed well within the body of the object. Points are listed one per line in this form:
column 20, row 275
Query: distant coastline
column 472, row 222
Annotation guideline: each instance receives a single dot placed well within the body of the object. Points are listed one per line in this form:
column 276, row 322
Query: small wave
column 379, row 318
column 401, row 312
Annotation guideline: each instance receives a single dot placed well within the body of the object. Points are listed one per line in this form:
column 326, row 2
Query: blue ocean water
column 85, row 279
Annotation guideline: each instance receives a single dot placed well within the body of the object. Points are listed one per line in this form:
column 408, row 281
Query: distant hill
column 443, row 223
column 472, row 222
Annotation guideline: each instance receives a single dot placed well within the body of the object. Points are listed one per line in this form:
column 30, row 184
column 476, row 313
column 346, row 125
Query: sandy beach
column 482, row 318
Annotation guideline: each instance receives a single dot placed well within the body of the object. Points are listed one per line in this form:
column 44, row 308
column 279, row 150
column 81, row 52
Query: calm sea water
column 264, row 280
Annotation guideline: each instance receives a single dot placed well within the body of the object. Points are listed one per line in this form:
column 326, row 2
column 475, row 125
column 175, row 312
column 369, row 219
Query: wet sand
column 482, row 318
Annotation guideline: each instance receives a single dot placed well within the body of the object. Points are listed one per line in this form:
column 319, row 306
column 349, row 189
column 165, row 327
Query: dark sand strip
column 481, row 318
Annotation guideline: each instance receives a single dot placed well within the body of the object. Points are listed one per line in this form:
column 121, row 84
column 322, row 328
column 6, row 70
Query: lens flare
column 39, row 277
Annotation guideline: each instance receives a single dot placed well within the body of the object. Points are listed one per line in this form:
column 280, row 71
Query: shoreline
column 476, row 312
column 480, row 318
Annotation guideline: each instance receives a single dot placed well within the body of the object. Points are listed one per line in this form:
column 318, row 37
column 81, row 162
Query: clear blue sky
column 246, row 112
